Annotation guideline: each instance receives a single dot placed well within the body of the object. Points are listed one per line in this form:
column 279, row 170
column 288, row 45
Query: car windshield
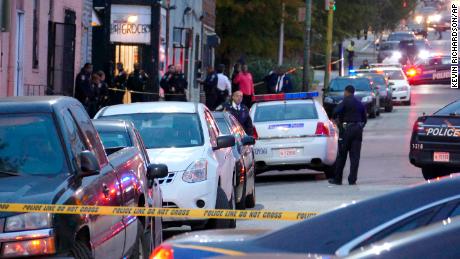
column 451, row 109
column 223, row 126
column 112, row 139
column 166, row 130
column 400, row 37
column 389, row 46
column 393, row 74
column 30, row 145
column 285, row 111
column 360, row 84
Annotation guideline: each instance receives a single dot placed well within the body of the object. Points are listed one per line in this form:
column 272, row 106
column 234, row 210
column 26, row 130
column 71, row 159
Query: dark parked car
column 401, row 36
column 435, row 241
column 435, row 142
column 385, row 91
column 339, row 232
column 50, row 153
column 364, row 91
column 117, row 135
column 245, row 188
column 387, row 49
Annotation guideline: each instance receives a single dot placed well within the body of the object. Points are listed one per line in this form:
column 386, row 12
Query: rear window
column 389, row 46
column 360, row 84
column 285, row 112
column 393, row 74
column 401, row 36
column 434, row 61
column 451, row 109
column 222, row 124
column 112, row 139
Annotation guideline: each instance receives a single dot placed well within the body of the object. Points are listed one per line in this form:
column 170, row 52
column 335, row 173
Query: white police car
column 293, row 131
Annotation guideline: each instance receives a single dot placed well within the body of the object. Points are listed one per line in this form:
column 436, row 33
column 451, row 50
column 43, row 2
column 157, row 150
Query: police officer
column 137, row 81
column 83, row 88
column 210, row 88
column 365, row 65
column 116, row 97
column 351, row 115
column 240, row 112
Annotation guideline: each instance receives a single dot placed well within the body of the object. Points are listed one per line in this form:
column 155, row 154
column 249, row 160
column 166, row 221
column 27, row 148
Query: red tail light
column 163, row 252
column 418, row 126
column 255, row 134
column 322, row 129
column 411, row 72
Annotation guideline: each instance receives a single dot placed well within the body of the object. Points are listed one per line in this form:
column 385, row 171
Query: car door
column 107, row 232
column 245, row 151
column 224, row 156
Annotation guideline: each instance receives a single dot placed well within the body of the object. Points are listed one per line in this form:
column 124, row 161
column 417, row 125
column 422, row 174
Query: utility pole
column 330, row 20
column 306, row 51
column 281, row 43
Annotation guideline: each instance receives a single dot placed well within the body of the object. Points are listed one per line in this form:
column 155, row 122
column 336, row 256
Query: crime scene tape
column 139, row 92
column 157, row 212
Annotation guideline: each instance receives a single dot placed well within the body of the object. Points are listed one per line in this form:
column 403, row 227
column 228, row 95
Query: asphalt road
column 384, row 164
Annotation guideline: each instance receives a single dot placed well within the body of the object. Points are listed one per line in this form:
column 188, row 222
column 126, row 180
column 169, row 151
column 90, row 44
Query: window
column 223, row 126
column 360, row 84
column 286, row 112
column 166, row 130
column 35, row 50
column 451, row 109
column 112, row 139
column 30, row 145
column 75, row 137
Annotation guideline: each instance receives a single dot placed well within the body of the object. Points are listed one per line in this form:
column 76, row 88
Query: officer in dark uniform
column 137, row 81
column 116, row 97
column 352, row 118
column 210, row 88
column 240, row 112
column 83, row 89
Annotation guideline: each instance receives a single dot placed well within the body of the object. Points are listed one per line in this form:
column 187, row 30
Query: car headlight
column 396, row 55
column 366, row 99
column 328, row 100
column 419, row 19
column 196, row 172
column 28, row 221
column 423, row 54
column 434, row 18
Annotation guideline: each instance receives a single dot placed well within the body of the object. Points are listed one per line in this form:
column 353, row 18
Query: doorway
column 128, row 55
column 19, row 64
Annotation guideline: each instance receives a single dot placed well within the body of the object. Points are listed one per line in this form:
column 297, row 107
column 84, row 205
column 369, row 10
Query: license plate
column 441, row 157
column 288, row 152
column 260, row 151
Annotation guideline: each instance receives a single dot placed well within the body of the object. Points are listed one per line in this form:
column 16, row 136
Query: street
column 384, row 164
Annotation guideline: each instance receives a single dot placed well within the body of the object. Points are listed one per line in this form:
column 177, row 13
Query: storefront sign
column 130, row 24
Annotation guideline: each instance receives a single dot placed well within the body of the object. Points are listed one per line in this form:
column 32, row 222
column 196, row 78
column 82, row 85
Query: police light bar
column 284, row 96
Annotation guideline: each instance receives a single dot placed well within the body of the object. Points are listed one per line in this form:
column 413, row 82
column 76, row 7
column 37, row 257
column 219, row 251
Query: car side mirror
column 89, row 164
column 155, row 171
column 248, row 141
column 225, row 141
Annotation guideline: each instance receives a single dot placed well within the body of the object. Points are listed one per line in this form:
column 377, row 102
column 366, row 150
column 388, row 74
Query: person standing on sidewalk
column 165, row 83
column 224, row 87
column 83, row 90
column 137, row 81
column 116, row 97
column 351, row 54
column 352, row 120
column 246, row 83
column 210, row 88
column 236, row 72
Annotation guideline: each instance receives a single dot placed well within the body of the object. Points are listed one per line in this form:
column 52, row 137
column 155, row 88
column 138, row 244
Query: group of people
column 173, row 84
column 92, row 90
column 278, row 81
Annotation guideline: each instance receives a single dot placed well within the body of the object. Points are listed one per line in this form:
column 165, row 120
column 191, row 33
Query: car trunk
column 440, row 129
column 286, row 129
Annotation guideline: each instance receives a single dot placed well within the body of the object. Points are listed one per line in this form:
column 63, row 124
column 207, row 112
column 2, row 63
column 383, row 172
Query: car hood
column 31, row 189
column 177, row 159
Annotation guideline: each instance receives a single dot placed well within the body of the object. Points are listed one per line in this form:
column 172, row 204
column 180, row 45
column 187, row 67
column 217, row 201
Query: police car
column 434, row 69
column 435, row 142
column 293, row 131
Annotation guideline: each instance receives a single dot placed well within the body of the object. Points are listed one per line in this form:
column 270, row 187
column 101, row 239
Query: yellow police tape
column 157, row 212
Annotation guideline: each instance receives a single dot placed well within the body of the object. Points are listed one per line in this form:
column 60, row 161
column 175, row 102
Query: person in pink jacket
column 246, row 83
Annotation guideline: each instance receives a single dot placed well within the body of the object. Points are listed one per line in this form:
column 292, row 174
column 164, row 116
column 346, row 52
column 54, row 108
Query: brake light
column 411, row 72
column 163, row 252
column 418, row 126
column 255, row 134
column 322, row 130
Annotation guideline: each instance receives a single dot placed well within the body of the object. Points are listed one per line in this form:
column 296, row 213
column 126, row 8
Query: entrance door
column 128, row 55
column 19, row 64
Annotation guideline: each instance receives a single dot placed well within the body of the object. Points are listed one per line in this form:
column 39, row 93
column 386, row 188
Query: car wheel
column 142, row 245
column 80, row 250
column 372, row 114
column 389, row 107
column 222, row 203
column 433, row 172
column 378, row 112
column 408, row 103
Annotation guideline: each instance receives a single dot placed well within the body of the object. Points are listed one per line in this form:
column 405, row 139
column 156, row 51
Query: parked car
column 117, row 135
column 364, row 91
column 340, row 232
column 430, row 70
column 185, row 137
column 385, row 91
column 245, row 188
column 50, row 153
column 401, row 35
column 387, row 49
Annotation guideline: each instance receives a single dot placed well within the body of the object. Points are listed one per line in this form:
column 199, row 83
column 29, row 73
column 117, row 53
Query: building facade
column 43, row 44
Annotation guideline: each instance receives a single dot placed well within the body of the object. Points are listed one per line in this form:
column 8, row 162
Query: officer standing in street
column 352, row 118
column 240, row 112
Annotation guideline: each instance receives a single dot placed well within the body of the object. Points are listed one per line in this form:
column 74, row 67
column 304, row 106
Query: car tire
column 408, row 103
column 251, row 198
column 81, row 250
column 389, row 107
column 434, row 172
column 378, row 112
column 142, row 245
column 372, row 114
column 222, row 203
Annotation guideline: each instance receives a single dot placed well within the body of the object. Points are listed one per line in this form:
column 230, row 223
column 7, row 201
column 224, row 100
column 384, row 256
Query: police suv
column 435, row 142
column 293, row 131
